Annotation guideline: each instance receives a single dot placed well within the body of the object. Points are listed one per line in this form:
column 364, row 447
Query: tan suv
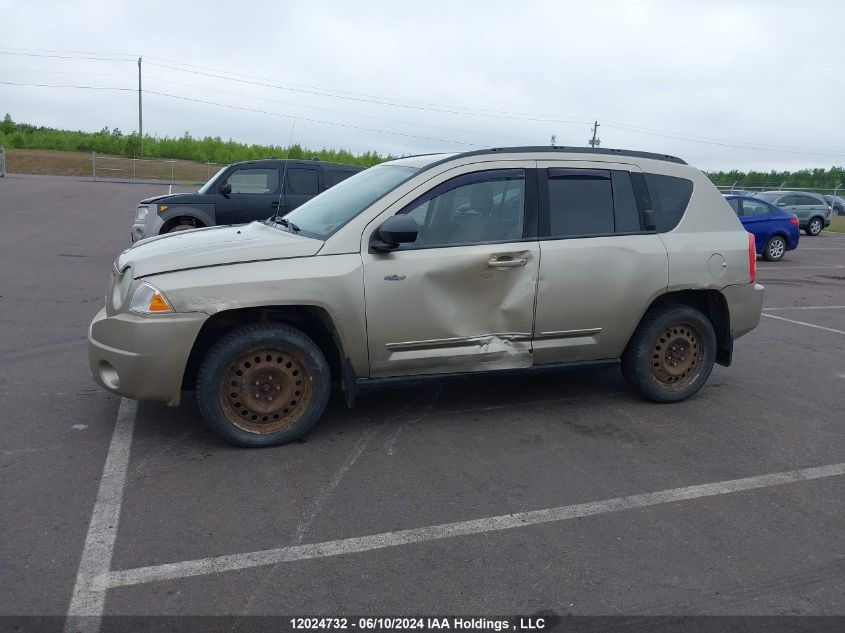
column 494, row 260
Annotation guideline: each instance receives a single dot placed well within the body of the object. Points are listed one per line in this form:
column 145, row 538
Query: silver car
column 426, row 267
column 812, row 209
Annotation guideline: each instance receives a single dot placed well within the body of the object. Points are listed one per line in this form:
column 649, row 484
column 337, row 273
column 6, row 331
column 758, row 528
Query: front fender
column 203, row 213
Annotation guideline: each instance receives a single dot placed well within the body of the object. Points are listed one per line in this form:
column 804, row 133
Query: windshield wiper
column 277, row 219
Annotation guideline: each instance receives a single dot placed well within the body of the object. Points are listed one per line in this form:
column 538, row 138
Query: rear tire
column 263, row 384
column 775, row 249
column 814, row 227
column 671, row 354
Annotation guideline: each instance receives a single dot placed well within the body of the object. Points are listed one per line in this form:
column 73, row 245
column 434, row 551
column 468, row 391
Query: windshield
column 324, row 214
column 208, row 185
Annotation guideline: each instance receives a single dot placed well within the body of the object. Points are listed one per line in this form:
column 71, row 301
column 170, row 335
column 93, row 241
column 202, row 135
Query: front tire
column 263, row 384
column 671, row 354
column 775, row 249
column 814, row 227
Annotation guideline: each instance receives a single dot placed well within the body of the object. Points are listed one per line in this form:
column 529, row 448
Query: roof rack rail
column 575, row 150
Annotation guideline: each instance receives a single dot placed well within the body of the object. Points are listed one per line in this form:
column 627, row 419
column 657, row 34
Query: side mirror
column 648, row 219
column 396, row 230
column 226, row 189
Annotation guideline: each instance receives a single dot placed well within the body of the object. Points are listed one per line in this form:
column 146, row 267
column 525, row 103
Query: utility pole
column 595, row 142
column 140, row 110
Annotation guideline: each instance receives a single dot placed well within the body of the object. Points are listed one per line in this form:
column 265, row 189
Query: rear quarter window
column 670, row 197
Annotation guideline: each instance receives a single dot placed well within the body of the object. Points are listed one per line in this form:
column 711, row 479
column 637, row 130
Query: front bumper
column 745, row 305
column 148, row 227
column 142, row 358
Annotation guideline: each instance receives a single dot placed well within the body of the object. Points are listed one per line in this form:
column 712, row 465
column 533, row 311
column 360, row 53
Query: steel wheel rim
column 265, row 390
column 776, row 249
column 815, row 226
column 676, row 356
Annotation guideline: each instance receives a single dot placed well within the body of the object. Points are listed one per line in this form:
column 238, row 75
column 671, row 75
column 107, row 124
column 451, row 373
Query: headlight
column 141, row 212
column 147, row 299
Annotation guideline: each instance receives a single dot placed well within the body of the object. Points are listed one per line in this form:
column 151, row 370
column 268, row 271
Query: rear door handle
column 506, row 262
column 275, row 204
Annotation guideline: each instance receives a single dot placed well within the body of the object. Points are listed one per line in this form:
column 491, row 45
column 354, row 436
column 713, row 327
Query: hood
column 214, row 246
column 179, row 198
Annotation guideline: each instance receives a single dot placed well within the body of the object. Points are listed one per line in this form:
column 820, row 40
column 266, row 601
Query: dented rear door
column 462, row 297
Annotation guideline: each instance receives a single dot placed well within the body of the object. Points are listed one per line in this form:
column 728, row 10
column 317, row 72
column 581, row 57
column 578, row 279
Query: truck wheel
column 775, row 249
column 814, row 227
column 671, row 354
column 181, row 227
column 263, row 384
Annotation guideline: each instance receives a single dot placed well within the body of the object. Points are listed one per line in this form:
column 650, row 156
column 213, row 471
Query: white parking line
column 777, row 267
column 89, row 594
column 341, row 547
column 813, row 325
column 806, row 308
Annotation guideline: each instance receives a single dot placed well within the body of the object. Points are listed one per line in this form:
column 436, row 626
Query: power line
column 301, row 118
column 15, row 83
column 48, row 50
column 342, row 112
column 100, row 59
column 188, row 67
column 394, row 104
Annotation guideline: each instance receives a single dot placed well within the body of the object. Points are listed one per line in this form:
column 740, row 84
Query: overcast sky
column 743, row 84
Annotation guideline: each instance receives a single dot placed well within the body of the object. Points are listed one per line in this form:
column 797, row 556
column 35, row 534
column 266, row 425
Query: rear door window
column 580, row 202
column 752, row 208
column 670, row 197
column 335, row 176
column 301, row 181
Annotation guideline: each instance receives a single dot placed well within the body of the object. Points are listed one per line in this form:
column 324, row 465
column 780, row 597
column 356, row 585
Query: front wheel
column 775, row 249
column 263, row 384
column 814, row 227
column 671, row 354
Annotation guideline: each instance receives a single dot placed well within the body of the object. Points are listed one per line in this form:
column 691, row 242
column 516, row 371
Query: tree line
column 204, row 150
column 216, row 150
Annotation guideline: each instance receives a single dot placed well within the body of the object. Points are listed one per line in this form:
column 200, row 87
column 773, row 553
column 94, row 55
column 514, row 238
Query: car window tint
column 788, row 201
column 301, row 181
column 334, row 176
column 625, row 213
column 669, row 199
column 734, row 202
column 751, row 208
column 807, row 201
column 482, row 207
column 580, row 202
column 254, row 181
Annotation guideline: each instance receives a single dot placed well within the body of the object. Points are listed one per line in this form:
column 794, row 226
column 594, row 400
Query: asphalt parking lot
column 208, row 529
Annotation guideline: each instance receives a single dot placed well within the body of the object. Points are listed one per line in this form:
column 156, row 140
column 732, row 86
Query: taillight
column 794, row 221
column 752, row 259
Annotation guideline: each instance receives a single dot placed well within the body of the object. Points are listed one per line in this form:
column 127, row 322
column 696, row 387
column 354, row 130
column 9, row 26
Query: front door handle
column 506, row 262
column 275, row 204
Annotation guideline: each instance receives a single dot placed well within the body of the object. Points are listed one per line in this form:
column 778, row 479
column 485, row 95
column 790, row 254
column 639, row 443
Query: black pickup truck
column 239, row 193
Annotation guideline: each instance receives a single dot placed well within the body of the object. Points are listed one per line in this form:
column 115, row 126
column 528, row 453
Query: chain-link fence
column 168, row 170
column 738, row 187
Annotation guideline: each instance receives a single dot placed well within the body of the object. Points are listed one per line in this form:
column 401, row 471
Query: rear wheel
column 814, row 227
column 775, row 249
column 263, row 384
column 671, row 354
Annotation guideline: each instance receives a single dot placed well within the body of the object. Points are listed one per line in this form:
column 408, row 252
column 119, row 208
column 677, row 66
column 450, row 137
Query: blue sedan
column 775, row 230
